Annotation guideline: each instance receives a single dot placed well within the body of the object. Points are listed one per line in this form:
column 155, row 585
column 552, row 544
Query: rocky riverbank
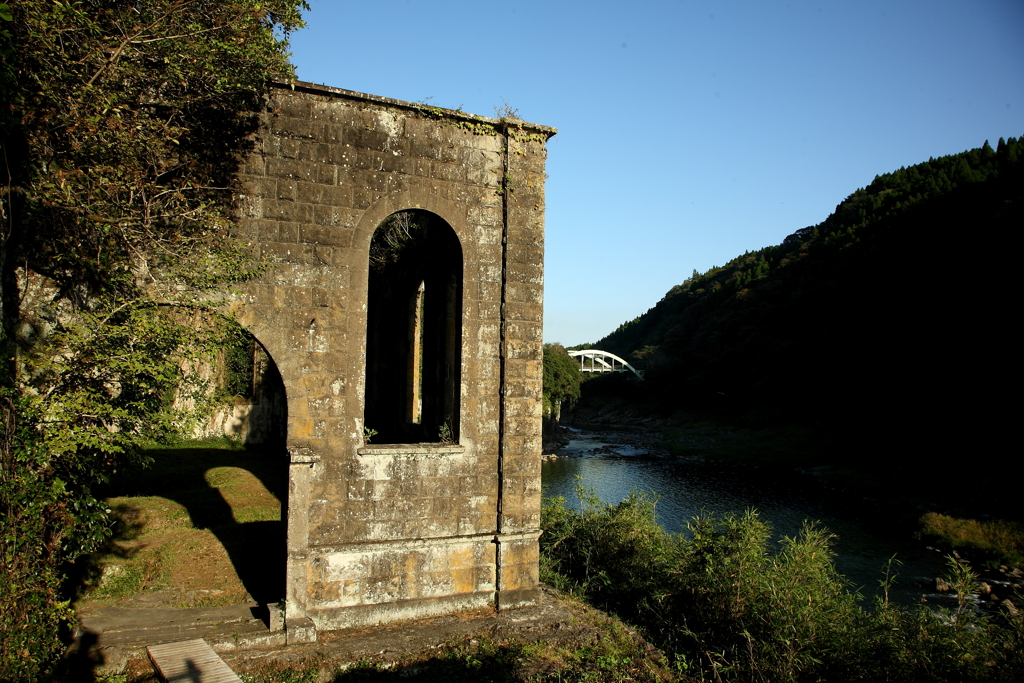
column 554, row 438
column 615, row 443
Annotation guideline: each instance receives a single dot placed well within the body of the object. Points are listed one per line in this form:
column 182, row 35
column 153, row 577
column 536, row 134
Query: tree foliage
column 126, row 125
column 561, row 380
column 884, row 210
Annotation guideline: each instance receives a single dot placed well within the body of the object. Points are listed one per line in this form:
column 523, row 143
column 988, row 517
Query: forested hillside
column 890, row 321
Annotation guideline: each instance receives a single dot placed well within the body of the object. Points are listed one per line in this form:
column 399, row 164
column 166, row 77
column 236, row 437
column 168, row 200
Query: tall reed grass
column 728, row 603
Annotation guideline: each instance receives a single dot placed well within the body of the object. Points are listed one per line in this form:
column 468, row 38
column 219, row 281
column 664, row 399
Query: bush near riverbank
column 992, row 541
column 728, row 604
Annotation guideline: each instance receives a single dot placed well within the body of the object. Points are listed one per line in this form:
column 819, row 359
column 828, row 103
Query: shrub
column 612, row 555
column 34, row 526
column 728, row 604
column 997, row 540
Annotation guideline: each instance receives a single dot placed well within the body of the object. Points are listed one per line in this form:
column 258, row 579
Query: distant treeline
column 892, row 319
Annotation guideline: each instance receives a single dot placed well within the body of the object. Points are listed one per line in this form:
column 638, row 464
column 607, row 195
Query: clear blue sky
column 689, row 131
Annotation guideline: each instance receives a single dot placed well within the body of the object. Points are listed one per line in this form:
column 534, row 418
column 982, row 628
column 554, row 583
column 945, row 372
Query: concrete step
column 112, row 635
column 190, row 660
column 140, row 627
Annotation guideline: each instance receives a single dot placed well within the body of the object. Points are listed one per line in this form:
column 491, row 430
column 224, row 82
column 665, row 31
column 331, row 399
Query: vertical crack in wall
column 502, row 357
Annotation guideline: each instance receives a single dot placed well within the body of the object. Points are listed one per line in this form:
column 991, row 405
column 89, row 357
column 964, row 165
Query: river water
column 612, row 467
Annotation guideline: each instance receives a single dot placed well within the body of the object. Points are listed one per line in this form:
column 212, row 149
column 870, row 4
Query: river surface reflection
column 684, row 488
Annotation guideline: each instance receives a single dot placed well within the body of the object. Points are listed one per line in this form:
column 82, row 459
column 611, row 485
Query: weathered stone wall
column 384, row 531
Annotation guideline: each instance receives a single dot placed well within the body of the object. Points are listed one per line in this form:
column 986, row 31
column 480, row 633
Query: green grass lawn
column 202, row 524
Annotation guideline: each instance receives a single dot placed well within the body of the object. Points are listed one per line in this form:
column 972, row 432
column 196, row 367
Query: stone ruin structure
column 403, row 313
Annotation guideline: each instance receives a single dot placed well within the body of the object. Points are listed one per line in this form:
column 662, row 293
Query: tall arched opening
column 413, row 330
column 259, row 420
column 207, row 519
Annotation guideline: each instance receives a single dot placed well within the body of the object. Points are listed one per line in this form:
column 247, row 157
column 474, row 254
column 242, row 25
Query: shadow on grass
column 257, row 549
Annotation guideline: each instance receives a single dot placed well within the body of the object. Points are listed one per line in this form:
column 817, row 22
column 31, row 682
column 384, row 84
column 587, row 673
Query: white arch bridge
column 593, row 360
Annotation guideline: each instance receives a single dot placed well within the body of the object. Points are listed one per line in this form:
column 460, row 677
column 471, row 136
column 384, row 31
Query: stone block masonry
column 420, row 525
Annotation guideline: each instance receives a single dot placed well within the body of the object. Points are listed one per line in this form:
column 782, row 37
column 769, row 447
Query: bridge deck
column 603, row 361
column 190, row 661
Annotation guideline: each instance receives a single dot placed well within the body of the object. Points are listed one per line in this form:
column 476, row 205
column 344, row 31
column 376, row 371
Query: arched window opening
column 414, row 330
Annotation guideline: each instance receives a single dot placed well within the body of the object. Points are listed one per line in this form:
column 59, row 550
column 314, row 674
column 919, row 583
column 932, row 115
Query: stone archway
column 256, row 417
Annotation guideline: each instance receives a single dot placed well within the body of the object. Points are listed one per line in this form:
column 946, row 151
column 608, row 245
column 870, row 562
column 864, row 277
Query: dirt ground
column 557, row 639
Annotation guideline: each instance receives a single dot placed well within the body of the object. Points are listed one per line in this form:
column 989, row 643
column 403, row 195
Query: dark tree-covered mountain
column 890, row 323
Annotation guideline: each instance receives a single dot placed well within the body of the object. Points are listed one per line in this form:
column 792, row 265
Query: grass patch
column 993, row 541
column 201, row 524
column 126, row 572
column 249, row 500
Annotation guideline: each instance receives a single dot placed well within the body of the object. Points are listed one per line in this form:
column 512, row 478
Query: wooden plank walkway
column 190, row 661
